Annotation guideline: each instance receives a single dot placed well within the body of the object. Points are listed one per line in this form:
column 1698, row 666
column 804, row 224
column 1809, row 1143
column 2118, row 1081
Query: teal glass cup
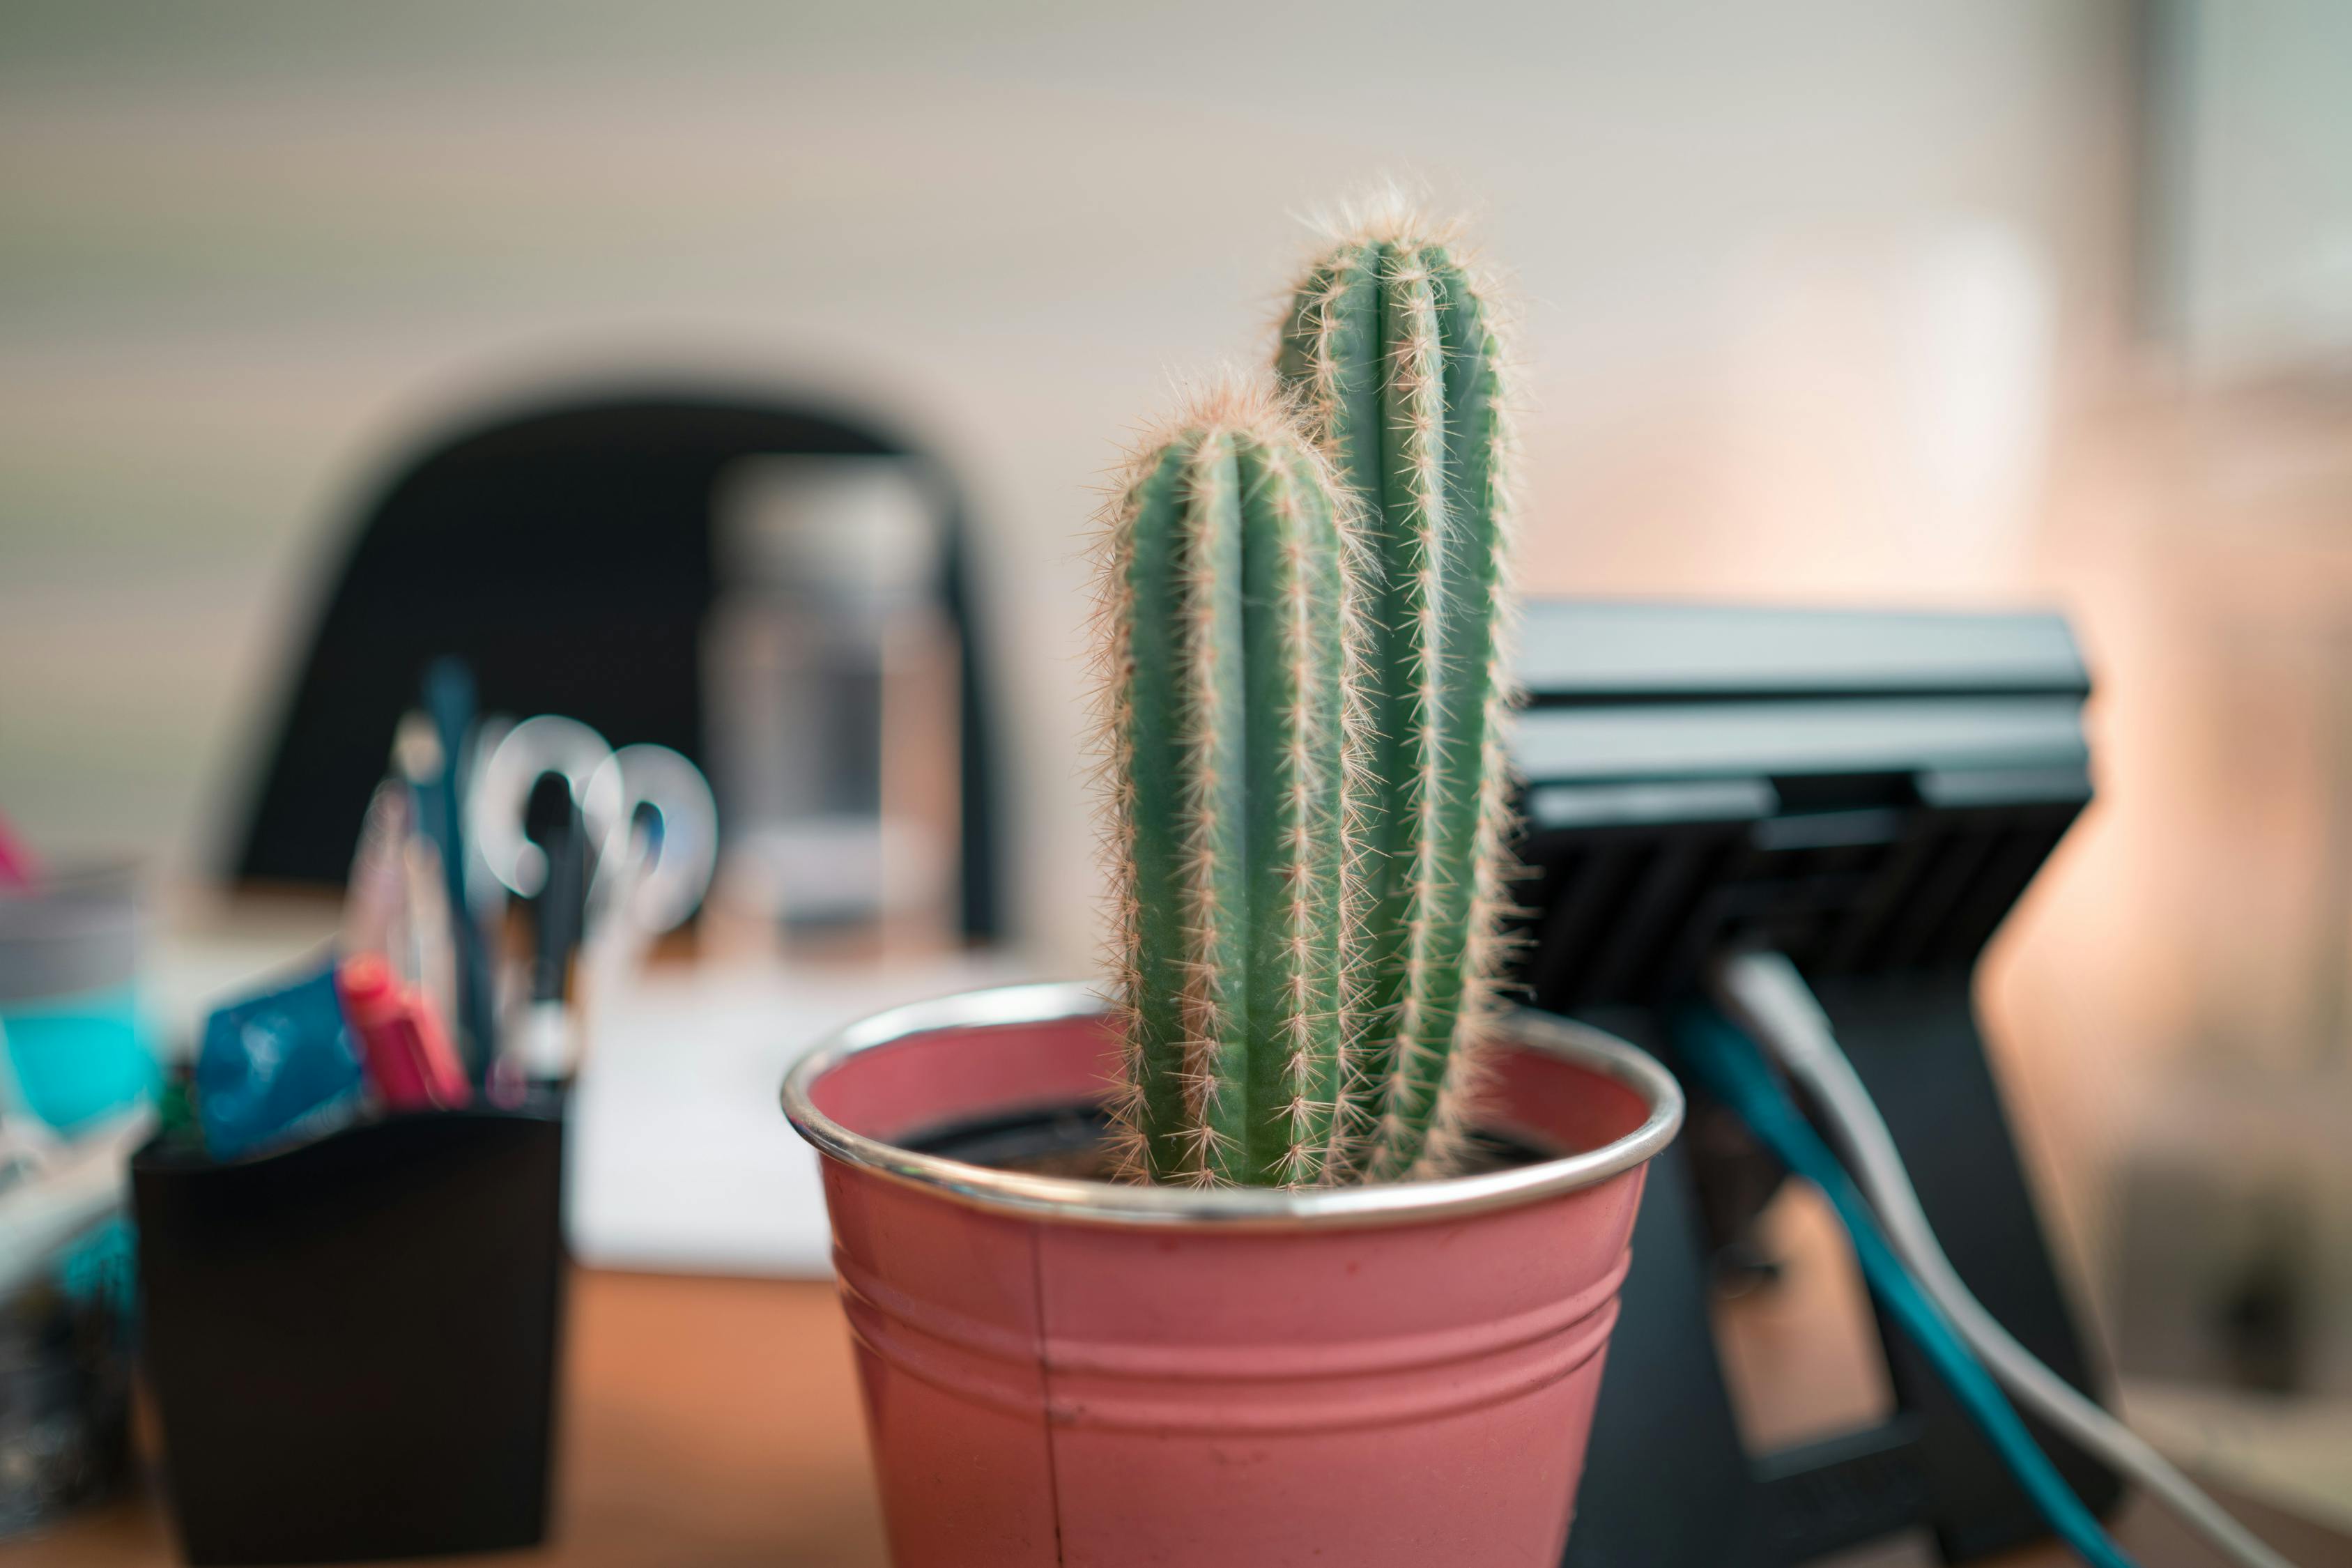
column 77, row 1042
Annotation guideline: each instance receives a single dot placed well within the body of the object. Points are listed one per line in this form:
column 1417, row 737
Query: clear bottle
column 832, row 712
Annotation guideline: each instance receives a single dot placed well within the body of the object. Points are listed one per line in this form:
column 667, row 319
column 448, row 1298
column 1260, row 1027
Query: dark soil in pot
column 1072, row 1141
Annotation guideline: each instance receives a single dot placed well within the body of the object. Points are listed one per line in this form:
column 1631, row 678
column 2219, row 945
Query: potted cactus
column 1291, row 1243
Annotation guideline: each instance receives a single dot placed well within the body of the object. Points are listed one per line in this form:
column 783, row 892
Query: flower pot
column 1091, row 1375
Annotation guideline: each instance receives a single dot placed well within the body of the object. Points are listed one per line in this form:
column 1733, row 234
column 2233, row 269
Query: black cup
column 352, row 1343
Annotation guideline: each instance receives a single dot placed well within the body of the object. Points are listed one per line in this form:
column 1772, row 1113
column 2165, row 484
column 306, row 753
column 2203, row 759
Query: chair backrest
column 565, row 550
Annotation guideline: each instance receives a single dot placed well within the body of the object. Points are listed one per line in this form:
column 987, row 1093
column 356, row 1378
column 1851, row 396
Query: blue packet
column 277, row 1068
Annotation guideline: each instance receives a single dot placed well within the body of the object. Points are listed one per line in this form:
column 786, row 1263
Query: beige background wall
column 1806, row 286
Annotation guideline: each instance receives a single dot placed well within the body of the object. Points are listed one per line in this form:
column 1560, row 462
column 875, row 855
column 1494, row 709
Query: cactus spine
column 1390, row 352
column 1226, row 701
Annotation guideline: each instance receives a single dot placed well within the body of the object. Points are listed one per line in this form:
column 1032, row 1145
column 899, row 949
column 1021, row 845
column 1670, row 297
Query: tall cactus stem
column 1389, row 350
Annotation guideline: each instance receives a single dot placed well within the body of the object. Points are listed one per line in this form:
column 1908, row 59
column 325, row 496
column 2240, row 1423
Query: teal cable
column 1728, row 1063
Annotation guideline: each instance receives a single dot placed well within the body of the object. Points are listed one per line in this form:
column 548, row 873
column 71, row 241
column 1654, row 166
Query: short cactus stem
column 1226, row 704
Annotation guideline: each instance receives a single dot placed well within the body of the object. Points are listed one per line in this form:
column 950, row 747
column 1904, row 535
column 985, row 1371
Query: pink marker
column 18, row 868
column 401, row 1045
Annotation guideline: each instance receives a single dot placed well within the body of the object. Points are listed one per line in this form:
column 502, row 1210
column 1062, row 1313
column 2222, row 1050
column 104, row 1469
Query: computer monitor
column 1868, row 792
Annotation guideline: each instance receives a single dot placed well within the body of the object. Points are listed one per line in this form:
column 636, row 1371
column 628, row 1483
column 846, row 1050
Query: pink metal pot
column 1091, row 1375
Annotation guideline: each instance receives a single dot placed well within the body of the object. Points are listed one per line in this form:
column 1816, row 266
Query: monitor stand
column 1668, row 1483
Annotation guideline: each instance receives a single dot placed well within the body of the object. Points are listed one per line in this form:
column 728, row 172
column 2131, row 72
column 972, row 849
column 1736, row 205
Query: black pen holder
column 352, row 1343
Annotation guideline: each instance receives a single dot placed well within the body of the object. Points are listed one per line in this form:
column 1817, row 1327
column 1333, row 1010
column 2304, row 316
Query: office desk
column 714, row 1423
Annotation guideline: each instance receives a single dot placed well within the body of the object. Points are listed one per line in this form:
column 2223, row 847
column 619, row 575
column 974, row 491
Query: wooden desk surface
column 714, row 1423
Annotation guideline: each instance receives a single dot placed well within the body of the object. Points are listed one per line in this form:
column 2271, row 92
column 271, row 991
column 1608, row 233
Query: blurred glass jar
column 77, row 1046
column 832, row 718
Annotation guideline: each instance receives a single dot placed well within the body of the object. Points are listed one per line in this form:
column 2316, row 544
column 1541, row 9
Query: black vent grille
column 1866, row 792
column 1629, row 913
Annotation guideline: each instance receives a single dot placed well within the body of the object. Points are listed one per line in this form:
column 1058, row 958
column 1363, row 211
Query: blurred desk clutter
column 76, row 1096
column 775, row 591
column 381, row 1141
column 351, row 1253
column 671, row 1157
column 431, row 1000
column 538, row 997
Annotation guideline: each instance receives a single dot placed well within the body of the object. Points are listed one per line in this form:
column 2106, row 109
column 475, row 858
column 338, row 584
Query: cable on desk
column 1764, row 992
column 1728, row 1063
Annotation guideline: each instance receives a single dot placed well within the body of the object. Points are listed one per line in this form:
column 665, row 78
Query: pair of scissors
column 652, row 825
column 643, row 816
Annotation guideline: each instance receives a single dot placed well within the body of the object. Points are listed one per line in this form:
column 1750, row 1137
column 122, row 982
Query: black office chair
column 565, row 550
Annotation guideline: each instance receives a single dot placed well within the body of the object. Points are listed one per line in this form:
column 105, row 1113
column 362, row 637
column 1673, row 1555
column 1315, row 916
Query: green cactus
column 1227, row 694
column 1303, row 715
column 1390, row 350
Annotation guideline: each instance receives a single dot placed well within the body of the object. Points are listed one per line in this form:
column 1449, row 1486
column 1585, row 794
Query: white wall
column 1803, row 283
column 2251, row 211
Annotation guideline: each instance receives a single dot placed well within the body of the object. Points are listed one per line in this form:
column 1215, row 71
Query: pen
column 449, row 698
column 429, row 954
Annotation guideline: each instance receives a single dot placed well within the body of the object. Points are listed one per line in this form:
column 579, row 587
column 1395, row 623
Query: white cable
column 1766, row 994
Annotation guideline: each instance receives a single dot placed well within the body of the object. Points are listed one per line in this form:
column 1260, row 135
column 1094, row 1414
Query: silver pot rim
column 1107, row 1202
